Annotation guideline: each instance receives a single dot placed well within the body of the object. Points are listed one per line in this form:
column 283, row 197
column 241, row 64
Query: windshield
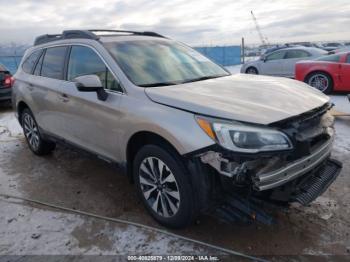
column 157, row 62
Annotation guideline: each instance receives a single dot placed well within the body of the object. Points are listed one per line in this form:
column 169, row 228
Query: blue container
column 223, row 55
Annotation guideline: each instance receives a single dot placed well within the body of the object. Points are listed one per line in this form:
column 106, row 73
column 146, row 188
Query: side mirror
column 91, row 83
column 263, row 58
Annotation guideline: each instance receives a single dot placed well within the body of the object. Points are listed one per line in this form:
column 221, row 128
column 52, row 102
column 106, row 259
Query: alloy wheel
column 159, row 187
column 319, row 81
column 31, row 131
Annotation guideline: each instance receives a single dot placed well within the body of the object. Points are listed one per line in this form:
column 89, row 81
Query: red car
column 327, row 73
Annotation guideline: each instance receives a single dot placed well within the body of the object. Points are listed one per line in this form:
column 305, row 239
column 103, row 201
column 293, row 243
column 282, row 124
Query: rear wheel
column 320, row 81
column 252, row 71
column 164, row 187
column 36, row 143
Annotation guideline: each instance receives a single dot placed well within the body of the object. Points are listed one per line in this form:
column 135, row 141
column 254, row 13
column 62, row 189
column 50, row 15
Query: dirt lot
column 75, row 180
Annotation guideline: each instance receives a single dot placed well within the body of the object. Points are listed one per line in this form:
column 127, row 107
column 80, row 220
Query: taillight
column 8, row 81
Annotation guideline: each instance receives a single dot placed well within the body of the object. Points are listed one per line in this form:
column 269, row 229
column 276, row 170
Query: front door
column 272, row 64
column 89, row 122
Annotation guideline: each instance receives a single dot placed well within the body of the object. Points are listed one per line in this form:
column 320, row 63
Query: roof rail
column 146, row 33
column 68, row 34
column 86, row 34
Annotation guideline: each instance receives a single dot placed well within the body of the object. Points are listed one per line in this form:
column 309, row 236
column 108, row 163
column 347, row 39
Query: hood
column 247, row 98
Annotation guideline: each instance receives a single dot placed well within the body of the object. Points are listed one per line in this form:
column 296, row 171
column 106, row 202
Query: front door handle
column 64, row 98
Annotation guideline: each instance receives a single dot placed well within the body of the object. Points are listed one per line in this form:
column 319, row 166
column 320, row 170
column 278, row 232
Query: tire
column 34, row 139
column 167, row 195
column 321, row 81
column 252, row 71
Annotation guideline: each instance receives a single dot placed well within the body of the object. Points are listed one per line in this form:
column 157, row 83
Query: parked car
column 332, row 46
column 341, row 50
column 192, row 137
column 281, row 62
column 6, row 82
column 327, row 74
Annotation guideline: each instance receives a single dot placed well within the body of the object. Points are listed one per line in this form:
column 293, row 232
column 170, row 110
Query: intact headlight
column 240, row 137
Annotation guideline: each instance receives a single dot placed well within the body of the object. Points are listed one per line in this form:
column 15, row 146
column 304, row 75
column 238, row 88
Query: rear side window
column 84, row 61
column 53, row 63
column 30, row 62
column 330, row 58
column 275, row 56
column 292, row 54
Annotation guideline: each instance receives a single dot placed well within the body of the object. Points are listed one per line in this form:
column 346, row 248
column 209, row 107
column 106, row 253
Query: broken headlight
column 244, row 138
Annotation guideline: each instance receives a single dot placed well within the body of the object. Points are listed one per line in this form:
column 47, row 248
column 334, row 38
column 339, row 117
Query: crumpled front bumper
column 293, row 170
column 317, row 182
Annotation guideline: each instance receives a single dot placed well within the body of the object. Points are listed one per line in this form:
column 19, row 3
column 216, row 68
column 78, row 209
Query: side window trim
column 104, row 62
column 66, row 61
column 43, row 51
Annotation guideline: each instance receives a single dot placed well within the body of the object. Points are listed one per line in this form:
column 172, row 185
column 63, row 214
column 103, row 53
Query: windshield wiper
column 202, row 78
column 159, row 84
column 182, row 82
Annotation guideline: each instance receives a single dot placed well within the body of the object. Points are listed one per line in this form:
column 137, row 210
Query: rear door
column 89, row 122
column 290, row 59
column 45, row 87
column 273, row 64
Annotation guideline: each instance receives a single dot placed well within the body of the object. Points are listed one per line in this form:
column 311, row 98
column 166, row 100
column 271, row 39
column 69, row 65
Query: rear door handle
column 64, row 98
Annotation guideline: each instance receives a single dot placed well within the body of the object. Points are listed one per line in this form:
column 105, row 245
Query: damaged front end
column 242, row 181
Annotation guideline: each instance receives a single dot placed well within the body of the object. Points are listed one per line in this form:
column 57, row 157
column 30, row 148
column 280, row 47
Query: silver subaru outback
column 193, row 138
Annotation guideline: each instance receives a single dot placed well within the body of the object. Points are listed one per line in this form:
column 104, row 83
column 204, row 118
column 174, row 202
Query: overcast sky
column 191, row 21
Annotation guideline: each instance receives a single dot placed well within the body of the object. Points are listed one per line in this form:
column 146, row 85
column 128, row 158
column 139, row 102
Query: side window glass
column 37, row 69
column 348, row 59
column 296, row 54
column 84, row 61
column 53, row 63
column 275, row 56
column 30, row 62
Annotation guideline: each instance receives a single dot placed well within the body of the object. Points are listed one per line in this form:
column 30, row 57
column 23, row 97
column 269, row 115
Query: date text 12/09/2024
column 173, row 258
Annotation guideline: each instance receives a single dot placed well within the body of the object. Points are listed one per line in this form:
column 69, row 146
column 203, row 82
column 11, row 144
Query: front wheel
column 164, row 187
column 252, row 71
column 320, row 81
column 36, row 143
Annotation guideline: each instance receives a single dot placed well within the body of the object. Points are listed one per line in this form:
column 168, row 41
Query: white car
column 281, row 62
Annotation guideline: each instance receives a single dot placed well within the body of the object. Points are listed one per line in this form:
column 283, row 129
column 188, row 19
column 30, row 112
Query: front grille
column 309, row 131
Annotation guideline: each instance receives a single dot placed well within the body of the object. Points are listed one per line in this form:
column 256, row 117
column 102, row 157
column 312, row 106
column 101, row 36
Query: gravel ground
column 78, row 181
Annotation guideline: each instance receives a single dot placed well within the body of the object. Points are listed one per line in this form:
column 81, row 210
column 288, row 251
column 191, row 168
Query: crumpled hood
column 248, row 98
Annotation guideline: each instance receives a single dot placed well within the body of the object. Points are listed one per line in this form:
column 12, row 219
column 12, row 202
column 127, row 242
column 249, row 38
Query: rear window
column 53, row 62
column 30, row 62
column 330, row 58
